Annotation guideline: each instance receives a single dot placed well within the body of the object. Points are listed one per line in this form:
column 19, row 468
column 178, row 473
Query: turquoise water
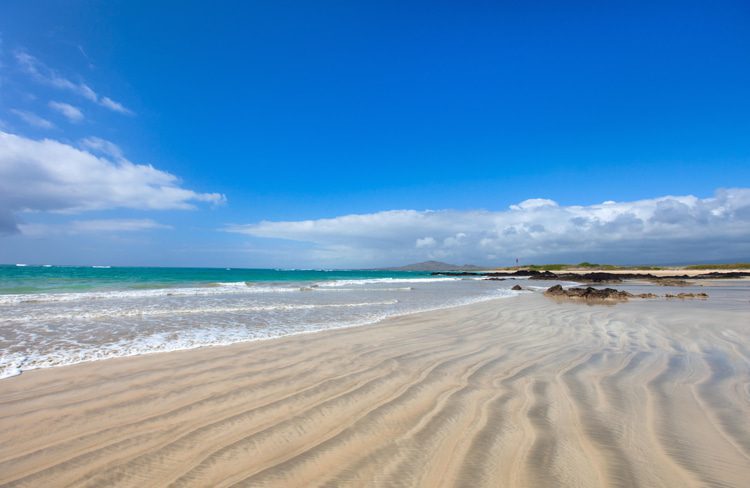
column 16, row 279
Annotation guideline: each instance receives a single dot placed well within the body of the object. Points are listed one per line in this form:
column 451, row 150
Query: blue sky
column 342, row 134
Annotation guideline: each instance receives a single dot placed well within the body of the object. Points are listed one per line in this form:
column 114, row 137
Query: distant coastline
column 433, row 266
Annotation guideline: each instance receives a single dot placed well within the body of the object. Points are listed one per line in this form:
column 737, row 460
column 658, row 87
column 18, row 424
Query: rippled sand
column 516, row 392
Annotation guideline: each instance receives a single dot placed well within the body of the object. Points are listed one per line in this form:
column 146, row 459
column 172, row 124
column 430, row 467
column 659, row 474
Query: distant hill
column 434, row 266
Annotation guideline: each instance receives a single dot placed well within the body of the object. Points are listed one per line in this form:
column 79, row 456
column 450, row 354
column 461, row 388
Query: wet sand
column 522, row 391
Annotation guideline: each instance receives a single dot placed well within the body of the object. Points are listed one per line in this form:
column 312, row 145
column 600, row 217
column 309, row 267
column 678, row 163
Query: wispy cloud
column 40, row 72
column 114, row 106
column 43, row 74
column 663, row 229
column 70, row 112
column 102, row 146
column 48, row 175
column 32, row 119
column 108, row 226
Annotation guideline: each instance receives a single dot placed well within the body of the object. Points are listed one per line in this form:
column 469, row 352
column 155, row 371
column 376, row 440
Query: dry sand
column 514, row 392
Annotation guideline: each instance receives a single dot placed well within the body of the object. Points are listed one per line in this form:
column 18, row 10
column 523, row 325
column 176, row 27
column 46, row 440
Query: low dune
column 514, row 392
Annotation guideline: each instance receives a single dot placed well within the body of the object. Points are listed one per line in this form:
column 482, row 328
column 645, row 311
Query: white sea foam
column 331, row 288
column 216, row 289
column 15, row 364
column 54, row 329
column 121, row 312
column 369, row 281
column 11, row 366
column 210, row 289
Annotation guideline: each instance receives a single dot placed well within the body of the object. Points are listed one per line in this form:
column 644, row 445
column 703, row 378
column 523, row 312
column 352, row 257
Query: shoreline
column 516, row 392
column 19, row 371
column 656, row 270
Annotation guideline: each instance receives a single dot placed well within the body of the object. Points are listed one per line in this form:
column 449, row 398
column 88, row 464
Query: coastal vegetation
column 719, row 266
column 591, row 266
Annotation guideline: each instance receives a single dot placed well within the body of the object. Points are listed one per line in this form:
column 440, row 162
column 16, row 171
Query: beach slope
column 522, row 391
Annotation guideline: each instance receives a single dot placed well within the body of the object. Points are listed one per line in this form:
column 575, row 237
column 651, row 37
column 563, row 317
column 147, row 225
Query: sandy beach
column 522, row 391
column 374, row 244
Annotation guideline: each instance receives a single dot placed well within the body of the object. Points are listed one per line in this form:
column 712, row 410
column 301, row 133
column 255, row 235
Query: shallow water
column 131, row 311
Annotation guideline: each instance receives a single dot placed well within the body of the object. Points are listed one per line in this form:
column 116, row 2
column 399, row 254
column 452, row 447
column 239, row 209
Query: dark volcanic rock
column 594, row 294
column 671, row 282
column 647, row 295
column 601, row 278
column 719, row 275
column 588, row 293
column 517, row 288
column 687, row 295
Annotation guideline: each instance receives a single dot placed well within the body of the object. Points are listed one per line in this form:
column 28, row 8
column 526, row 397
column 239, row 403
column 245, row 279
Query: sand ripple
column 518, row 392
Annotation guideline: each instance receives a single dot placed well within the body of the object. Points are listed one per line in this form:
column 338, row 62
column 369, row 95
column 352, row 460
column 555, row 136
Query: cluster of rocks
column 671, row 282
column 590, row 293
column 599, row 277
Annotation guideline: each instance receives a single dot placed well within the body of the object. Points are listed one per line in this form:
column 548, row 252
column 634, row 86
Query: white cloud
column 115, row 106
column 48, row 175
column 665, row 229
column 533, row 203
column 33, row 119
column 102, row 146
column 425, row 242
column 43, row 74
column 90, row 227
column 454, row 241
column 69, row 111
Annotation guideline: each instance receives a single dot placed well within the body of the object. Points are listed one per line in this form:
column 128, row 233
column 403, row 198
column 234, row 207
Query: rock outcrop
column 609, row 294
column 670, row 282
column 687, row 295
column 588, row 293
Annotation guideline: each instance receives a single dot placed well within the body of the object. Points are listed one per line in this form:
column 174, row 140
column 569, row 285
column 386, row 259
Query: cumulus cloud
column 90, row 227
column 665, row 229
column 44, row 74
column 425, row 242
column 33, row 119
column 70, row 112
column 533, row 203
column 48, row 175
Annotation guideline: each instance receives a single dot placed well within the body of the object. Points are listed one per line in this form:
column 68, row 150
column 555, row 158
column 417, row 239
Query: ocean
column 59, row 315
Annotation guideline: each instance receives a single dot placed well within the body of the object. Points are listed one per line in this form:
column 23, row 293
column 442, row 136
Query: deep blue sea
column 59, row 315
